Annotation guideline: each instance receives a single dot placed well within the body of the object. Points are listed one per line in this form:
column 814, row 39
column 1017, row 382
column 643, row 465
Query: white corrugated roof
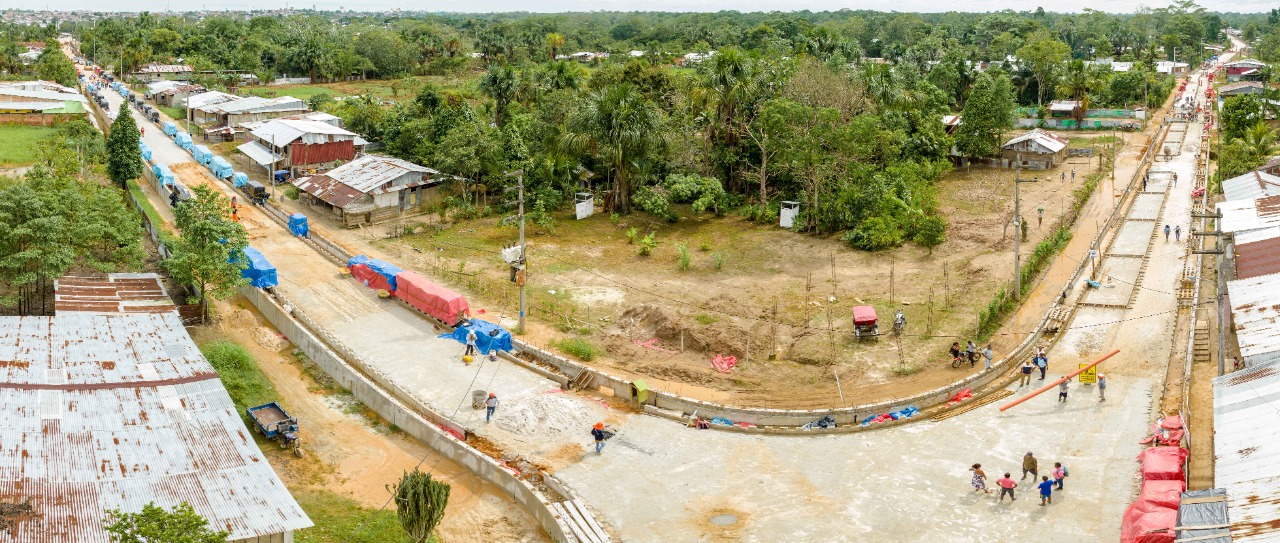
column 1254, row 184
column 205, row 99
column 42, row 95
column 1255, row 314
column 308, row 116
column 115, row 411
column 259, row 153
column 1246, row 442
column 256, row 104
column 370, row 172
column 154, row 68
column 1044, row 139
column 1260, row 234
column 1245, row 215
column 161, row 86
column 285, row 131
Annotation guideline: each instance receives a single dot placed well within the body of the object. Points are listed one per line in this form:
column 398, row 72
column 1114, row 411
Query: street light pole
column 521, row 277
column 1017, row 228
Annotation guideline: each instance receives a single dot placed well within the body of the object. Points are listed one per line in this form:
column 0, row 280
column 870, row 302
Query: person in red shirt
column 1007, row 484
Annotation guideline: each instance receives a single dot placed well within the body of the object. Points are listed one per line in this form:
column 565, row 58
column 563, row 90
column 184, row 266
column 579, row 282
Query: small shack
column 1037, row 150
column 1066, row 109
column 372, row 189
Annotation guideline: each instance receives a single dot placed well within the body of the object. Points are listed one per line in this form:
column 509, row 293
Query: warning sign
column 1089, row 376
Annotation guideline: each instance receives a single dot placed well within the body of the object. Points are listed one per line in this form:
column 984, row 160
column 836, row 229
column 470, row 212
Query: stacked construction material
column 425, row 296
column 1152, row 517
column 260, row 272
column 374, row 273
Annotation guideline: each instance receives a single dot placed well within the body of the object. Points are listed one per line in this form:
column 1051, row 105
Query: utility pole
column 520, row 277
column 1017, row 228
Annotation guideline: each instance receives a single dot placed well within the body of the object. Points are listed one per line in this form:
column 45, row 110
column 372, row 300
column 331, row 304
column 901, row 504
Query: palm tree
column 728, row 83
column 620, row 127
column 554, row 43
column 1261, row 141
column 500, row 83
column 1080, row 82
column 560, row 75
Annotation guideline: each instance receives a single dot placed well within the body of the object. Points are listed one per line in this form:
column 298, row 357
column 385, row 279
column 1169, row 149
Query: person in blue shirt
column 1046, row 490
column 1042, row 362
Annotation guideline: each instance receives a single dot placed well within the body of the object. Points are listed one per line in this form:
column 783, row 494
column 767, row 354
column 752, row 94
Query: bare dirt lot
column 780, row 302
column 348, row 451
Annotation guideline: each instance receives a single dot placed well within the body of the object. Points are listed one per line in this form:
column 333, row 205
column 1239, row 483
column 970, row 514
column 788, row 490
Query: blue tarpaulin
column 260, row 272
column 221, row 168
column 163, row 174
column 358, row 259
column 169, row 128
column 146, row 151
column 386, row 269
column 183, row 140
column 239, row 179
column 298, row 224
column 202, row 154
column 489, row 336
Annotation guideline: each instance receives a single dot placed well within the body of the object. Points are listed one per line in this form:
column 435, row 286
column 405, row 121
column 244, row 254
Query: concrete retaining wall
column 411, row 421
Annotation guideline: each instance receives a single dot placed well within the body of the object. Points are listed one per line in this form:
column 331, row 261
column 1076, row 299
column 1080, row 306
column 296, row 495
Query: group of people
column 971, row 353
column 1177, row 233
column 1030, row 466
column 1039, row 361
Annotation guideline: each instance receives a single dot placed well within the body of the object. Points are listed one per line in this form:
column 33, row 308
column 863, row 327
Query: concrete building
column 112, row 406
column 1244, row 70
column 1170, row 67
column 1038, row 150
column 156, row 72
column 372, row 189
column 1254, row 184
column 223, row 119
column 301, row 146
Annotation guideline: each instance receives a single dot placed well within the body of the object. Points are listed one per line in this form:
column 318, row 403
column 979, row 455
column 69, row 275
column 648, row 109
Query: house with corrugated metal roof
column 156, row 72
column 1037, row 150
column 373, row 189
column 1250, row 185
column 50, row 102
column 109, row 405
column 222, row 118
column 304, row 147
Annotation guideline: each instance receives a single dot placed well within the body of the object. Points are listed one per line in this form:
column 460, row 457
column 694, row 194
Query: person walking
column 1235, row 364
column 597, row 432
column 979, row 480
column 1175, row 179
column 1102, row 387
column 1064, row 177
column 1166, row 233
column 1026, row 373
column 1062, row 390
column 490, row 405
column 1073, row 175
column 1030, row 465
column 1007, row 484
column 1144, row 182
column 1177, row 233
column 987, row 355
column 1046, row 490
column 1059, row 474
column 971, row 352
column 1041, row 362
column 471, row 343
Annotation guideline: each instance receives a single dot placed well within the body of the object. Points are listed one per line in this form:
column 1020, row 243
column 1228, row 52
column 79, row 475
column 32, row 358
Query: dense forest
column 839, row 110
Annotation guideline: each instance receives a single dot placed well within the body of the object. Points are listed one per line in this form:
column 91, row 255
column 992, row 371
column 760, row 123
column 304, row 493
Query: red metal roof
column 113, row 293
column 1258, row 258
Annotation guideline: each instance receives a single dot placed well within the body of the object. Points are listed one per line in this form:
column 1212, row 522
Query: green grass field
column 18, row 144
column 302, row 92
column 175, row 113
column 338, row 518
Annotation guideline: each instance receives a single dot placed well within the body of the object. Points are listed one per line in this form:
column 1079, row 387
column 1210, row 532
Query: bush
column 685, row 259
column 717, row 260
column 652, row 200
column 648, row 243
column 291, row 192
column 704, row 319
column 631, row 235
column 874, row 234
column 239, row 373
column 932, row 232
column 578, row 348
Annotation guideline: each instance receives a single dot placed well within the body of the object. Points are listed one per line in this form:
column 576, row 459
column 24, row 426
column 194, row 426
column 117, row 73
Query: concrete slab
column 1118, row 277
column 1133, row 239
column 1146, row 206
column 905, row 484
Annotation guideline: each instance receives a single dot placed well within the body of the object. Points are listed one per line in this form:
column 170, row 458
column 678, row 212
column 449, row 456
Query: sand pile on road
column 542, row 413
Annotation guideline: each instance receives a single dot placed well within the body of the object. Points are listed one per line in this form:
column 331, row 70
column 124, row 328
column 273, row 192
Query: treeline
column 60, row 217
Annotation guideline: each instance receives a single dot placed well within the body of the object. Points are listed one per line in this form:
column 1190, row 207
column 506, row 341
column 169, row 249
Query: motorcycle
column 899, row 323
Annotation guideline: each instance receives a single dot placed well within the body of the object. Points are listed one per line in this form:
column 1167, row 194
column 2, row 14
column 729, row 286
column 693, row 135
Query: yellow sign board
column 1089, row 376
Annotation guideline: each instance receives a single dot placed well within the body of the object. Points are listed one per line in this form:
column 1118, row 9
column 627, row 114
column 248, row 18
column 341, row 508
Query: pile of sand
column 542, row 413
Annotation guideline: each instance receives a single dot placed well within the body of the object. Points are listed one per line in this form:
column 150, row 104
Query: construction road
column 658, row 481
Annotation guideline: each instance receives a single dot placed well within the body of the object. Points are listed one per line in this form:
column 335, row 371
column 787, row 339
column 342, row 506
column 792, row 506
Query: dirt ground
column 780, row 303
column 353, row 455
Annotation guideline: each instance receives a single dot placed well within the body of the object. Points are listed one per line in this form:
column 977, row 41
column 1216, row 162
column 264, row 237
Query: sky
column 475, row 6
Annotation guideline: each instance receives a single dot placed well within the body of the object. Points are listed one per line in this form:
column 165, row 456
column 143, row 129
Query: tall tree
column 621, row 128
column 420, row 504
column 554, row 43
column 52, row 65
column 209, row 254
column 500, row 83
column 124, row 158
column 154, row 524
column 987, row 115
column 1045, row 54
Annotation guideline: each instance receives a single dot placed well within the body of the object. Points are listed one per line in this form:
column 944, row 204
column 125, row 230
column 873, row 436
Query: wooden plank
column 591, row 521
column 1204, row 499
column 580, row 523
column 1205, row 527
column 1206, row 537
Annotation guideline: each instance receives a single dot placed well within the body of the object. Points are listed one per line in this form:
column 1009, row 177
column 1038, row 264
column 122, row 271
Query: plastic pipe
column 1059, row 381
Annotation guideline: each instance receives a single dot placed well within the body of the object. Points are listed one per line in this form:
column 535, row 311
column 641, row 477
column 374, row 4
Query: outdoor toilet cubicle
column 787, row 216
column 584, row 205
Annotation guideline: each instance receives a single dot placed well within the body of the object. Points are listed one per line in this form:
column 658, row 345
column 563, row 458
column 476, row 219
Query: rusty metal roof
column 328, row 189
column 1247, row 450
column 1255, row 314
column 113, row 293
column 1245, row 215
column 116, row 411
column 1258, row 258
column 369, row 174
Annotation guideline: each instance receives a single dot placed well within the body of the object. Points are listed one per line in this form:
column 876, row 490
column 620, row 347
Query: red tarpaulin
column 1162, row 463
column 864, row 314
column 430, row 298
column 1146, row 522
column 1162, row 493
column 366, row 275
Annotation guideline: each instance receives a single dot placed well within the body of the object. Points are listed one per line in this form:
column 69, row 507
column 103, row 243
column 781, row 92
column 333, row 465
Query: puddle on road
column 724, row 520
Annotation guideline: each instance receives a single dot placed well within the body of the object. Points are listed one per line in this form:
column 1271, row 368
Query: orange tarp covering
column 430, row 298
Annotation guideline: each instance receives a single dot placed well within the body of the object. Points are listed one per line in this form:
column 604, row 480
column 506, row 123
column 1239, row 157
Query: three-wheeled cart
column 864, row 322
column 275, row 424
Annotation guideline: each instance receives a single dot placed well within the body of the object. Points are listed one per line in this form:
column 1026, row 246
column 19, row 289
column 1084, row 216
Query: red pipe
column 1059, row 381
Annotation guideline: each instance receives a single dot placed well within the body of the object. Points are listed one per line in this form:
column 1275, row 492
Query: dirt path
column 348, row 455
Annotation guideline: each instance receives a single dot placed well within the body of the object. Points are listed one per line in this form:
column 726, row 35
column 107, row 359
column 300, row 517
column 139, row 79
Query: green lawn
column 301, row 92
column 338, row 518
column 18, row 143
column 175, row 113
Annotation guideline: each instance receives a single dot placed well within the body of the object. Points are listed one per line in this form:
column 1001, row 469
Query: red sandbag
column 960, row 396
column 374, row 280
column 1163, row 463
column 430, row 298
column 1171, row 423
column 1143, row 521
column 1162, row 493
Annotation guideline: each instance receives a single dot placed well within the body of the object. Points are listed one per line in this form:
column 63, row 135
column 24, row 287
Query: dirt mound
column 712, row 335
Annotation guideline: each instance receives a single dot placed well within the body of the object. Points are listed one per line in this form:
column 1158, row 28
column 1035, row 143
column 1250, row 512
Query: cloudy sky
column 1115, row 6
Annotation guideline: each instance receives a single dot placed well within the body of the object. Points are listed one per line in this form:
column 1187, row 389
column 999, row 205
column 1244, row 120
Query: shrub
column 631, row 235
column 291, row 192
column 578, row 348
column 652, row 200
column 239, row 372
column 932, row 231
column 717, row 260
column 874, row 234
column 704, row 247
column 648, row 243
column 685, row 259
column 704, row 319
